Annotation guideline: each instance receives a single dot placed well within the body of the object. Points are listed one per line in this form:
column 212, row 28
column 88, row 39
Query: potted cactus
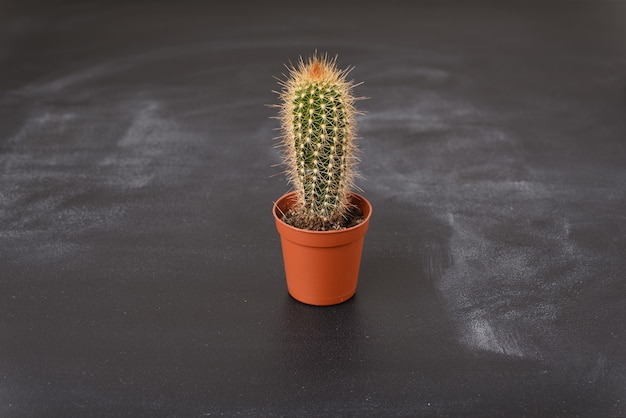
column 322, row 222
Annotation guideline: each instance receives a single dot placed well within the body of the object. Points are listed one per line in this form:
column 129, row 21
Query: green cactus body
column 317, row 117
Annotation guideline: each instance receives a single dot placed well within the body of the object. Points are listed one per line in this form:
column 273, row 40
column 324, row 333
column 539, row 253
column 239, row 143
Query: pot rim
column 288, row 195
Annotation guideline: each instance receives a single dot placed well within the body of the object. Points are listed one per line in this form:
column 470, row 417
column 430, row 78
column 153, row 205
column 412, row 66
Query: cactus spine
column 317, row 119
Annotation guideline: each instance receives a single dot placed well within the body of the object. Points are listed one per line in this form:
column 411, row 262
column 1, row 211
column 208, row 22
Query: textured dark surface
column 140, row 271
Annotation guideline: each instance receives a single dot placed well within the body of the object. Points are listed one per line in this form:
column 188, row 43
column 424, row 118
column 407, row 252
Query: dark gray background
column 141, row 271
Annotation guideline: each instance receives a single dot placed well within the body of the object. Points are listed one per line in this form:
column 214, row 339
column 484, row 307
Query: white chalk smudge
column 144, row 142
column 84, row 75
column 56, row 158
column 481, row 335
column 513, row 224
column 43, row 124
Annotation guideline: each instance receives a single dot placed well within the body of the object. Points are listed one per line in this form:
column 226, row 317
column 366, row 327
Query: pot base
column 309, row 300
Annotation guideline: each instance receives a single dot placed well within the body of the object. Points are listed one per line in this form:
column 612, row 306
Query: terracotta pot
column 322, row 267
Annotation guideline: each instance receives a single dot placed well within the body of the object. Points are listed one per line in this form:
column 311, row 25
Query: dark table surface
column 141, row 272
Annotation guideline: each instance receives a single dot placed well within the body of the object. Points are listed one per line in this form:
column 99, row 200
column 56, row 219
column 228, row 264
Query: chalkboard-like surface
column 140, row 271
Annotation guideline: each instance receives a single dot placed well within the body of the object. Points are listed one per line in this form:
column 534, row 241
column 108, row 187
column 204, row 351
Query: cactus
column 317, row 117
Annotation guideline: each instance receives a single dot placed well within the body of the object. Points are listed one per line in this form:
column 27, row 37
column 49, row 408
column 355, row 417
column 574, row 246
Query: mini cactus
column 317, row 117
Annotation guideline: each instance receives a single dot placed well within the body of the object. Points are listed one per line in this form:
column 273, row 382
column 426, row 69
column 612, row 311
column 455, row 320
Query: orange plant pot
column 322, row 267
